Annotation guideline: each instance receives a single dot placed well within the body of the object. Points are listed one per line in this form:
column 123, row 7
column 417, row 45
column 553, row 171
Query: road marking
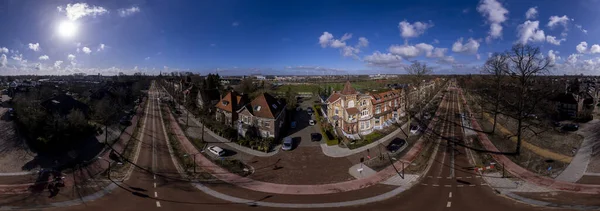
column 448, row 186
column 423, row 184
column 439, row 177
column 155, row 194
column 458, row 177
column 483, row 184
column 450, row 195
column 478, row 176
column 157, row 204
column 155, row 185
column 448, row 177
column 429, row 176
column 448, row 204
column 435, row 185
column 471, row 185
column 468, row 177
column 460, row 186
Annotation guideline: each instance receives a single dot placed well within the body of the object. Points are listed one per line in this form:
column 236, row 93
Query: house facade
column 226, row 108
column 359, row 114
column 265, row 115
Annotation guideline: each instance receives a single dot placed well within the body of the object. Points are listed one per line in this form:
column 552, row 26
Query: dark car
column 315, row 137
column 570, row 127
column 125, row 121
column 395, row 145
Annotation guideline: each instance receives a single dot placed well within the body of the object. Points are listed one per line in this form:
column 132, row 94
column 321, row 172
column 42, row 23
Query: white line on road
column 450, row 195
column 458, row 177
column 448, row 177
column 435, row 185
column 155, row 194
column 430, row 176
column 460, row 186
column 448, row 204
column 155, row 185
column 157, row 204
column 155, row 176
column 471, row 185
column 468, row 177
column 448, row 186
column 423, row 184
column 439, row 177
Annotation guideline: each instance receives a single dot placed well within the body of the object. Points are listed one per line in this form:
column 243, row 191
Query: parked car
column 570, row 127
column 287, row 143
column 315, row 137
column 309, row 110
column 395, row 145
column 293, row 125
column 414, row 129
column 311, row 122
column 218, row 151
column 125, row 120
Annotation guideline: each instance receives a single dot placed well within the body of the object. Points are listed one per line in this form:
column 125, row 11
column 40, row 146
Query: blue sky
column 289, row 37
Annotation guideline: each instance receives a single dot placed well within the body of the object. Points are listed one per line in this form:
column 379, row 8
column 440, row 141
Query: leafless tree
column 525, row 62
column 497, row 67
column 417, row 71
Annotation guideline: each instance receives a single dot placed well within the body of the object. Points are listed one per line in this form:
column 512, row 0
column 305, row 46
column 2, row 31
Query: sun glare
column 67, row 29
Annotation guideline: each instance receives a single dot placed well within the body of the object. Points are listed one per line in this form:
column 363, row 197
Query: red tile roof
column 333, row 97
column 228, row 105
column 348, row 90
column 265, row 106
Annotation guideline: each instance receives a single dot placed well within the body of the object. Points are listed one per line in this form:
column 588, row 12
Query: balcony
column 351, row 120
column 366, row 117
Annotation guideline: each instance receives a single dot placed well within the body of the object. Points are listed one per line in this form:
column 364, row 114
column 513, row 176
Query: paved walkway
column 525, row 174
column 535, row 149
column 496, row 181
column 577, row 168
column 266, row 187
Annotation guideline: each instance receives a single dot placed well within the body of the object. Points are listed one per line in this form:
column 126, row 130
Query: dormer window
column 274, row 106
column 257, row 108
column 225, row 102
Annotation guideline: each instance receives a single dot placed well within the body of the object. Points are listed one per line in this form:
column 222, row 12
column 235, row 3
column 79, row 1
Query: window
column 246, row 119
column 274, row 106
column 362, row 125
column 267, row 124
column 225, row 102
column 337, row 111
column 257, row 108
column 377, row 121
column 364, row 102
column 350, row 103
column 378, row 109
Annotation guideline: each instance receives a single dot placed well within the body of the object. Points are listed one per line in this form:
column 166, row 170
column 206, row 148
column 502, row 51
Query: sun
column 67, row 29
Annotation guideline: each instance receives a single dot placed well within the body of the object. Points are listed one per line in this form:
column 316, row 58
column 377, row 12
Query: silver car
column 287, row 144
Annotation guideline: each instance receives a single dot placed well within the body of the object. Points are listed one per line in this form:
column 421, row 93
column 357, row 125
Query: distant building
column 63, row 104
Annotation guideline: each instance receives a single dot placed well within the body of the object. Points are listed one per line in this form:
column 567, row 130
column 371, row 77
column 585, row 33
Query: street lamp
column 109, row 164
column 194, row 157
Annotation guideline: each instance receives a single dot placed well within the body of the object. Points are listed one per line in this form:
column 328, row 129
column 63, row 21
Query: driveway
column 301, row 134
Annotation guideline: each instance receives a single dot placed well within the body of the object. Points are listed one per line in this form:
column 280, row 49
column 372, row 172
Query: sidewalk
column 266, row 187
column 523, row 173
column 578, row 166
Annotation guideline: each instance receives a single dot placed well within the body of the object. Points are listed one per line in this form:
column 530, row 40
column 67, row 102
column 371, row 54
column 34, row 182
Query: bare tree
column 417, row 71
column 497, row 67
column 525, row 63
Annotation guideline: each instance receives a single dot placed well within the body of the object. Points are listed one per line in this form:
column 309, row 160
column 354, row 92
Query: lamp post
column 194, row 157
column 109, row 164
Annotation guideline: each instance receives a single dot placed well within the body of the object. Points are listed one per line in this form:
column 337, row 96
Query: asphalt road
column 155, row 185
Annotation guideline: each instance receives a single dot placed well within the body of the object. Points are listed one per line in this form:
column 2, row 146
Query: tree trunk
column 105, row 133
column 519, row 131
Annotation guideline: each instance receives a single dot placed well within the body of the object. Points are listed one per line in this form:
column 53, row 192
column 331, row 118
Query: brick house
column 387, row 107
column 226, row 108
column 265, row 113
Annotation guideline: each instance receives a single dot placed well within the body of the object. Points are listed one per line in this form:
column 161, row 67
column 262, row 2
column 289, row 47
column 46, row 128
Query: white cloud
column 552, row 56
column 34, row 46
column 573, row 58
column 529, row 32
column 3, row 50
column 425, row 48
column 337, row 44
column 386, row 60
column 57, row 64
column 44, row 57
column 531, row 13
column 71, row 57
column 86, row 50
column 446, row 60
column 582, row 47
column 595, row 48
column 79, row 10
column 553, row 40
column 17, row 57
column 325, row 39
column 77, row 50
column 346, row 36
column 555, row 20
column 439, row 52
column 408, row 30
column 495, row 14
column 38, row 66
column 407, row 51
column 235, row 24
column 101, row 47
column 147, row 58
column 78, row 44
column 436, row 41
column 478, row 56
column 128, row 11
column 581, row 28
column 363, row 42
column 471, row 46
column 3, row 60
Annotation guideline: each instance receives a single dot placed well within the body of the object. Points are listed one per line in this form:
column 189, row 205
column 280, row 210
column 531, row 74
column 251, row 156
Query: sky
column 232, row 37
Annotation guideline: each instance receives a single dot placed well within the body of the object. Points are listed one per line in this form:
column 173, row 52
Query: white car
column 311, row 122
column 218, row 151
column 414, row 129
column 287, row 144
